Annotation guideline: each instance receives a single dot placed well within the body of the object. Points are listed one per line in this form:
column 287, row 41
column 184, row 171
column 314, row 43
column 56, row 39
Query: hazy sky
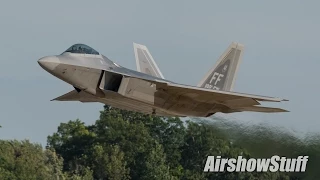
column 185, row 38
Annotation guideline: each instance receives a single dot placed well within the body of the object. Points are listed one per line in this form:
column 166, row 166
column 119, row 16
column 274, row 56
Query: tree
column 24, row 160
column 155, row 165
column 127, row 130
column 128, row 145
column 109, row 163
column 72, row 141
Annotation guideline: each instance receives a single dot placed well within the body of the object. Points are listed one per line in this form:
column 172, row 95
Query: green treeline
column 128, row 145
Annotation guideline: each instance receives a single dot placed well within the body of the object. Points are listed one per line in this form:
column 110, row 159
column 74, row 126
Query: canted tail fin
column 222, row 76
column 145, row 62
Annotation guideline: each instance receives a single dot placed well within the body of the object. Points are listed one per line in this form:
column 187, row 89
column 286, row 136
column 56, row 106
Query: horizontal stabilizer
column 261, row 109
column 76, row 96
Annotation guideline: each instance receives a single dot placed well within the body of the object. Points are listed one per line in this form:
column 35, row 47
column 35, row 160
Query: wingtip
column 280, row 99
column 283, row 110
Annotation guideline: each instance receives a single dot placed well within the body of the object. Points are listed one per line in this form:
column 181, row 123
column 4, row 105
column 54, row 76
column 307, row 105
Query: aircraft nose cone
column 49, row 63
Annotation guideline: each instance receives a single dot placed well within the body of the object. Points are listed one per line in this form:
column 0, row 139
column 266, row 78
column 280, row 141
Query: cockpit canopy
column 82, row 49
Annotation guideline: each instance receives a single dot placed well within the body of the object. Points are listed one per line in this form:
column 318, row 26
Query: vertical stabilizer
column 222, row 76
column 144, row 61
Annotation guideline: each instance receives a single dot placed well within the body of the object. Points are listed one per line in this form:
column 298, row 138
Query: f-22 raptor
column 96, row 78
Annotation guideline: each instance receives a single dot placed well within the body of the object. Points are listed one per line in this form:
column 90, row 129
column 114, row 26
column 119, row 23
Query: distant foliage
column 24, row 160
column 127, row 145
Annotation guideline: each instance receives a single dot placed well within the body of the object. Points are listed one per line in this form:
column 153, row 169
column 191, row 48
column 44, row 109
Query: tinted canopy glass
column 82, row 49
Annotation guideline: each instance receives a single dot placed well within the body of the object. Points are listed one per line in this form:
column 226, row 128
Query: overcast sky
column 185, row 38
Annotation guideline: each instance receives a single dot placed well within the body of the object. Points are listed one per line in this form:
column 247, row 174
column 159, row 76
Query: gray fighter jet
column 96, row 78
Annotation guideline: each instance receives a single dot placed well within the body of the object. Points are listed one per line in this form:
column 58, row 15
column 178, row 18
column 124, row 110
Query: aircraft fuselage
column 98, row 79
column 105, row 81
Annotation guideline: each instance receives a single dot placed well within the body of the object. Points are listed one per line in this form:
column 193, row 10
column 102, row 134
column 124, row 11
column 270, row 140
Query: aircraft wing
column 219, row 95
column 231, row 101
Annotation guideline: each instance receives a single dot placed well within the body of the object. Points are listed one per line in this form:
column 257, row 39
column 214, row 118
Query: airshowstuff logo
column 273, row 164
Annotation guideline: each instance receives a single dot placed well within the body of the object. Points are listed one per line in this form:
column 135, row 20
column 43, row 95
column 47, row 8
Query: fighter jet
column 96, row 78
